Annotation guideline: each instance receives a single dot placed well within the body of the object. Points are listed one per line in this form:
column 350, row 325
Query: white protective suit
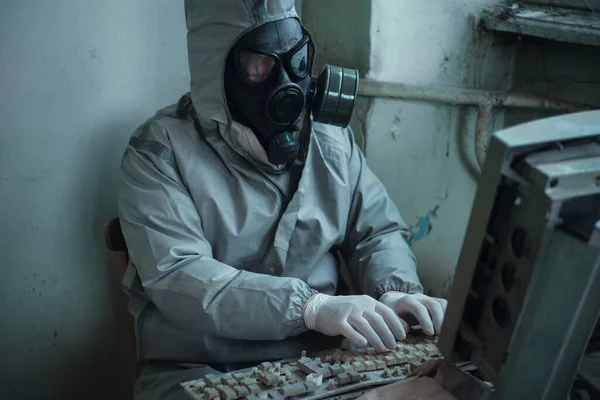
column 226, row 248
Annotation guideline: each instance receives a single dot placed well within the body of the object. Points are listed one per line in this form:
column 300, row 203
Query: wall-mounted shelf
column 556, row 23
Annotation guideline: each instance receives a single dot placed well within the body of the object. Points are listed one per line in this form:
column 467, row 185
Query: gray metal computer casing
column 526, row 292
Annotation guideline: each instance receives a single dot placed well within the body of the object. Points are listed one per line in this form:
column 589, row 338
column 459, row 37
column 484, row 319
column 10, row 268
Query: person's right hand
column 361, row 319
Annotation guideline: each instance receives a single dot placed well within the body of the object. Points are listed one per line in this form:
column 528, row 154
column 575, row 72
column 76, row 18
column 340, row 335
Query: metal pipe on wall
column 482, row 133
column 473, row 97
column 484, row 99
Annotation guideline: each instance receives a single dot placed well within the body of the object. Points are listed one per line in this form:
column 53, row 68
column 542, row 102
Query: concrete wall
column 76, row 77
column 423, row 152
column 341, row 32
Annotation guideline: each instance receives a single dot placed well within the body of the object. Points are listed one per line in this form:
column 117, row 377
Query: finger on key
column 405, row 325
column 443, row 303
column 365, row 329
column 436, row 312
column 347, row 331
column 382, row 329
column 422, row 314
column 393, row 321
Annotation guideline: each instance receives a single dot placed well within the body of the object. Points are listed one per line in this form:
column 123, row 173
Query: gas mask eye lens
column 299, row 62
column 255, row 67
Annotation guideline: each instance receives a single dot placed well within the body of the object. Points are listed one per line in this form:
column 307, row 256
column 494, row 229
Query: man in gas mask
column 238, row 207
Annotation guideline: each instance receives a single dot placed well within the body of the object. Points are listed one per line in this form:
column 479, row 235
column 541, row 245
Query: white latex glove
column 361, row 319
column 429, row 311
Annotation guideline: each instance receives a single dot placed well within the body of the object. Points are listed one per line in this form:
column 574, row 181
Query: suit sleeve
column 375, row 249
column 174, row 261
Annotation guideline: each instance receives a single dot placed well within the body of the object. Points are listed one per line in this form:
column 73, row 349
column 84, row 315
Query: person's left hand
column 428, row 311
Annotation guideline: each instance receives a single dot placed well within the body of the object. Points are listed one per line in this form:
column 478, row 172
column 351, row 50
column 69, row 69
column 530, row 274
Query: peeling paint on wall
column 422, row 227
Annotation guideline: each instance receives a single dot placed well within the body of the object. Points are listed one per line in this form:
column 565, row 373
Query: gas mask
column 269, row 87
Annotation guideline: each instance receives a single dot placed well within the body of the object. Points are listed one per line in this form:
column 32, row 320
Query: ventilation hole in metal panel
column 509, row 272
column 484, row 254
column 520, row 243
column 501, row 312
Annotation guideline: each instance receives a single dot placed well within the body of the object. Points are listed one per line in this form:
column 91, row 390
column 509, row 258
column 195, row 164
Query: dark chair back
column 115, row 241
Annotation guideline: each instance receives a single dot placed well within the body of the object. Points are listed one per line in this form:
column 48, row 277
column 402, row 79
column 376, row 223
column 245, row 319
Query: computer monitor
column 525, row 296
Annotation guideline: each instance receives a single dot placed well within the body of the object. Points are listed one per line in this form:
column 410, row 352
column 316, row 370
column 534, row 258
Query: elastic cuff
column 305, row 304
column 402, row 287
column 297, row 325
column 311, row 308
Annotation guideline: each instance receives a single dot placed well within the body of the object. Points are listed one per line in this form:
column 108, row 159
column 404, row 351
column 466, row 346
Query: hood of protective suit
column 214, row 26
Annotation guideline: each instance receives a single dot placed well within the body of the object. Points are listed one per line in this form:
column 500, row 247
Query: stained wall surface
column 76, row 78
column 423, row 152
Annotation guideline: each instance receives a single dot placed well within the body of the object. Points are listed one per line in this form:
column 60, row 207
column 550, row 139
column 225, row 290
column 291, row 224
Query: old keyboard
column 318, row 376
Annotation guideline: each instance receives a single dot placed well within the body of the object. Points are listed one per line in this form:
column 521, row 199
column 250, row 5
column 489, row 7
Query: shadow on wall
column 81, row 346
column 69, row 334
column 100, row 355
column 103, row 365
column 80, row 77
